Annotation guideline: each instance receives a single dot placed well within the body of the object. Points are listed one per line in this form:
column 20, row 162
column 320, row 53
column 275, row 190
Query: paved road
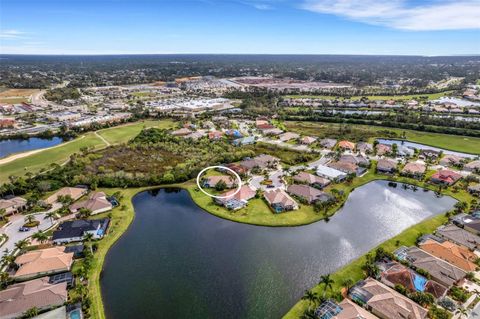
column 17, row 221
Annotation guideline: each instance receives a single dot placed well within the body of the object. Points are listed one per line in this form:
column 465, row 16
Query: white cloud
column 399, row 14
column 11, row 34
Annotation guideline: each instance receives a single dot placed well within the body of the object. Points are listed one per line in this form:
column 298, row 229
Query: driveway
column 275, row 177
column 17, row 221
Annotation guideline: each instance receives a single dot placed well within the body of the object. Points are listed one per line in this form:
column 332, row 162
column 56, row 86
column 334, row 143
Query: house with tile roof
column 328, row 143
column 13, row 205
column 346, row 309
column 450, row 160
column 473, row 166
column 346, row 145
column 441, row 271
column 393, row 273
column 287, row 136
column 212, row 181
column 364, row 148
column 236, row 200
column 386, row 166
column 310, row 179
column 307, row 140
column 383, row 149
column 384, row 302
column 308, row 193
column 16, row 299
column 413, row 169
column 42, row 262
column 459, row 236
column 280, row 201
column 74, row 192
column 445, row 177
column 96, row 203
column 452, row 253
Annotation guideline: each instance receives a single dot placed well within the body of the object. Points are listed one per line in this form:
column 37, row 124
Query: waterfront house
column 470, row 222
column 330, row 173
column 346, row 145
column 473, row 166
column 474, row 189
column 285, row 137
column 348, row 168
column 308, row 193
column 385, row 302
column 346, row 309
column 16, row 299
column 383, row 149
column 307, row 140
column 76, row 230
column 386, row 166
column 429, row 154
column 439, row 270
column 13, row 205
column 445, row 177
column 394, row 273
column 280, row 201
column 415, row 170
column 364, row 148
column 73, row 192
column 459, row 236
column 96, row 203
column 456, row 255
column 310, row 179
column 355, row 159
column 450, row 160
column 239, row 200
column 328, row 143
column 42, row 262
column 212, row 181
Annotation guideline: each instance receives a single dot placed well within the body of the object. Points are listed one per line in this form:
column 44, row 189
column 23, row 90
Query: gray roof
column 459, row 236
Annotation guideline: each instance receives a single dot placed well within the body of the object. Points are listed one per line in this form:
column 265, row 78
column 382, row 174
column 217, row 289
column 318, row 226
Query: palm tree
column 21, row 244
column 3, row 213
column 463, row 312
column 29, row 219
column 347, row 283
column 8, row 260
column 40, row 236
column 81, row 290
column 309, row 314
column 327, row 281
column 310, row 296
column 88, row 238
column 52, row 215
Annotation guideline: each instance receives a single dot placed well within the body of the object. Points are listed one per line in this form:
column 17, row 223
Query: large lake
column 178, row 261
column 12, row 146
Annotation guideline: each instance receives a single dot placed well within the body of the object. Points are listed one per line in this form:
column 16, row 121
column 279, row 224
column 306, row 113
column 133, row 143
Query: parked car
column 24, row 229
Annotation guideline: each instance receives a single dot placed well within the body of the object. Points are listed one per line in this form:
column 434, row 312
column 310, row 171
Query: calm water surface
column 8, row 147
column 177, row 261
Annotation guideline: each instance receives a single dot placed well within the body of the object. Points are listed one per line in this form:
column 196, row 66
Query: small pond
column 423, row 147
column 12, row 146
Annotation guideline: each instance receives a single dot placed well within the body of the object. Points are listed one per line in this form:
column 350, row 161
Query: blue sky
column 429, row 27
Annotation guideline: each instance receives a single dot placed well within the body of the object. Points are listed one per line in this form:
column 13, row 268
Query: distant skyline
column 395, row 27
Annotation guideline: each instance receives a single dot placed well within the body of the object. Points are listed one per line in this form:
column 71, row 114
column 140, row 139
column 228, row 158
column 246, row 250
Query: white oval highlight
column 239, row 184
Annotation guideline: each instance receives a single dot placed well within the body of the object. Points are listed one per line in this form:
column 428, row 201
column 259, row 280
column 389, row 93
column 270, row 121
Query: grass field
column 12, row 96
column 451, row 142
column 35, row 162
column 432, row 96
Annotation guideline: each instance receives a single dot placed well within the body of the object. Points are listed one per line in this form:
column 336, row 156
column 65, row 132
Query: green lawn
column 35, row 162
column 432, row 96
column 451, row 142
column 122, row 134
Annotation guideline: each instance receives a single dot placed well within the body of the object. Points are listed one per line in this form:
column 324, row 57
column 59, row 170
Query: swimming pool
column 419, row 282
column 75, row 314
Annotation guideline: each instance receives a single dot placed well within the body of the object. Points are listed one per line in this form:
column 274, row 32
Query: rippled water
column 177, row 261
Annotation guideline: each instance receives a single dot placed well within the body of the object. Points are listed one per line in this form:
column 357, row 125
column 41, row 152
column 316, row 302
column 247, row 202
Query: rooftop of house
column 244, row 194
column 308, row 139
column 279, row 197
column 74, row 192
column 346, row 144
column 77, row 228
column 459, row 236
column 309, row 193
column 447, row 176
column 304, row 177
column 344, row 166
column 414, row 168
column 12, row 202
column 386, row 164
column 42, row 261
column 388, row 302
column 17, row 298
column 96, row 201
column 454, row 254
